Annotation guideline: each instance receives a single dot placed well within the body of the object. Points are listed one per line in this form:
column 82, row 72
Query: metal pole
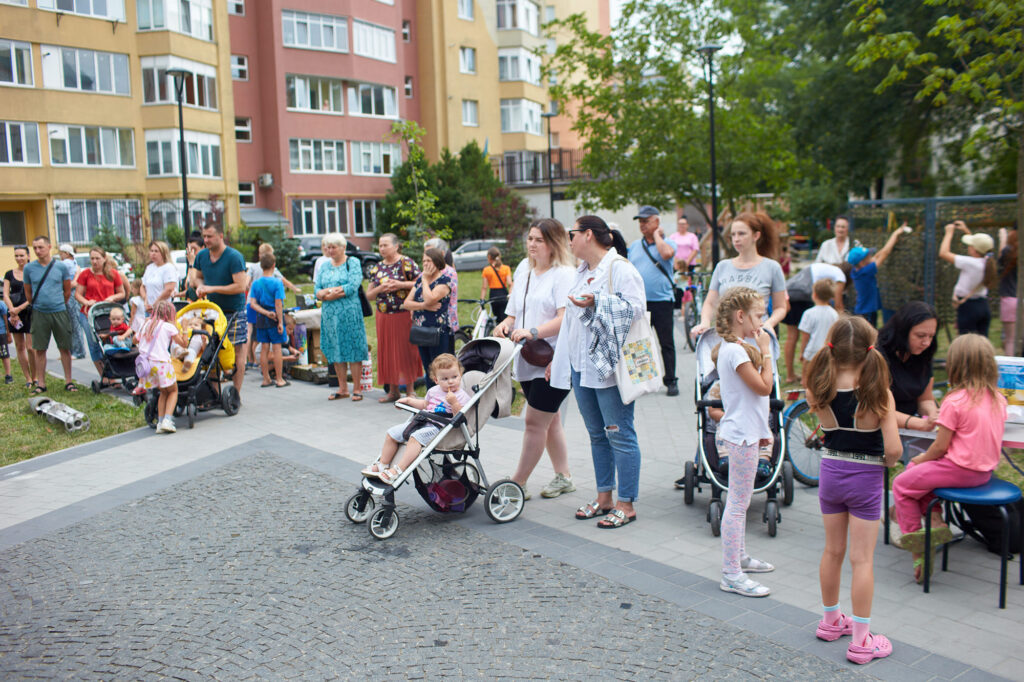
column 551, row 178
column 708, row 52
column 186, row 218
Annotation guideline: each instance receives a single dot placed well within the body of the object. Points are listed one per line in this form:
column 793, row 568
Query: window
column 466, row 9
column 202, row 152
column 12, row 228
column 15, row 63
column 364, row 217
column 467, row 60
column 322, row 216
column 553, row 141
column 375, row 42
column 103, row 9
column 66, row 68
column 520, row 116
column 199, row 90
column 191, row 17
column 372, row 100
column 316, row 156
column 520, row 14
column 239, row 67
column 243, row 129
column 408, row 86
column 310, row 93
column 19, row 143
column 549, row 14
column 165, row 212
column 470, row 112
column 246, row 194
column 79, row 220
column 406, row 31
column 518, row 64
column 20, row 3
column 236, row 7
column 72, row 145
column 375, row 158
column 314, row 31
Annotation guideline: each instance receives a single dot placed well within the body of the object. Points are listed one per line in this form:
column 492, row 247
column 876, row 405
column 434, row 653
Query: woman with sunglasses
column 613, row 442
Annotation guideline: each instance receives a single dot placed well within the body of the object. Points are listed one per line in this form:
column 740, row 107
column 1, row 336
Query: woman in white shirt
column 535, row 310
column 834, row 250
column 977, row 274
column 160, row 280
column 613, row 443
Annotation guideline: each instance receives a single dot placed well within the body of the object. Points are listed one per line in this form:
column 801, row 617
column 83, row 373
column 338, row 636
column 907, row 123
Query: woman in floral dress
column 391, row 280
column 342, row 334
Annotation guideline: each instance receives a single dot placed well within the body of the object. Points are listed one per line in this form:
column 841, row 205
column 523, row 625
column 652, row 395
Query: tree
column 986, row 79
column 416, row 212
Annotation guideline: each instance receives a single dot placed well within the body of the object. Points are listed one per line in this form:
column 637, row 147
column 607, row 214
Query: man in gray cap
column 652, row 256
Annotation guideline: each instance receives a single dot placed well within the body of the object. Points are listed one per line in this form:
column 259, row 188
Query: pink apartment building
column 317, row 85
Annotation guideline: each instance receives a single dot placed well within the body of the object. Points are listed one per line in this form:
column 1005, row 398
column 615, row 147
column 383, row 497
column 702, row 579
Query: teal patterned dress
column 342, row 334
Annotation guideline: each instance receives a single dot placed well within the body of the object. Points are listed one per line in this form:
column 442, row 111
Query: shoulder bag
column 536, row 352
column 639, row 370
column 427, row 337
column 42, row 281
column 677, row 293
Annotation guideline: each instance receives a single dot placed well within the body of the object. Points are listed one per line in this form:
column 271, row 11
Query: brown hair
column 824, row 290
column 267, row 261
column 761, row 223
column 556, row 238
column 991, row 280
column 735, row 300
column 494, row 253
column 444, row 361
column 436, row 256
column 109, row 266
column 971, row 364
column 850, row 344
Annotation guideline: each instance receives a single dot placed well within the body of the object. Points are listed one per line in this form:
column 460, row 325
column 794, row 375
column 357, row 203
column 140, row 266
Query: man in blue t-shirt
column 48, row 288
column 221, row 276
column 652, row 256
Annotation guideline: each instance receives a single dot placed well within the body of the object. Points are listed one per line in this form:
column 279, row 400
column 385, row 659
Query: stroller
column 199, row 386
column 447, row 473
column 117, row 366
column 708, row 468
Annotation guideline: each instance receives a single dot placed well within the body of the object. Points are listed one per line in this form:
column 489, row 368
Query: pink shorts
column 161, row 375
column 1008, row 309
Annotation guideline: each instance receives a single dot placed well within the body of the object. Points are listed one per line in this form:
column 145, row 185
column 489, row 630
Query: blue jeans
column 428, row 353
column 79, row 326
column 613, row 443
column 95, row 351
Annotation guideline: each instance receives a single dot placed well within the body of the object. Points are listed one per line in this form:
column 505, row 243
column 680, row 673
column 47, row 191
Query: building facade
column 89, row 120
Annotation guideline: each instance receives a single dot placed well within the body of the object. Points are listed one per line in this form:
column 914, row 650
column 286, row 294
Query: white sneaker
column 169, row 426
column 744, row 586
column 558, row 485
column 160, row 425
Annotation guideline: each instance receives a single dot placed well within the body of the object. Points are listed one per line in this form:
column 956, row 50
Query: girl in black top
column 19, row 315
column 907, row 341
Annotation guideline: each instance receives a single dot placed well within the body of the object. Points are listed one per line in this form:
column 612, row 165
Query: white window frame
column 320, row 157
column 521, row 15
column 203, row 150
column 243, row 126
column 466, row 10
column 196, row 23
column 382, row 156
column 163, row 87
column 114, row 8
column 467, row 60
column 373, row 41
column 13, row 47
column 247, row 194
column 470, row 112
column 521, row 116
column 359, row 208
column 294, row 24
column 312, row 211
column 114, row 65
column 408, row 87
column 239, row 67
column 78, row 220
column 406, row 31
column 518, row 64
column 236, row 8
column 300, row 88
column 18, row 3
column 388, row 97
column 27, row 141
column 111, row 145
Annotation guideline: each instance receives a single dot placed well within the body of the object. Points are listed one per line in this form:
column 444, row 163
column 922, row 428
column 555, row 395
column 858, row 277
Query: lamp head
column 708, row 51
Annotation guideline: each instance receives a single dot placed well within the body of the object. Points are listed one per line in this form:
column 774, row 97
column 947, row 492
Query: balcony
column 526, row 168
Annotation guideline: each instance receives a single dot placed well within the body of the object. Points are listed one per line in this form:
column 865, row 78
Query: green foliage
column 415, row 214
column 286, row 250
column 108, row 239
column 175, row 236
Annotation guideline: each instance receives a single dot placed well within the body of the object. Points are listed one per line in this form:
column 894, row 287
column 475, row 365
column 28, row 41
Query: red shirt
column 98, row 287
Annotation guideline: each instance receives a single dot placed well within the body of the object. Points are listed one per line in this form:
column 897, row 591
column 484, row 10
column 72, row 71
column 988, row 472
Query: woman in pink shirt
column 966, row 449
column 686, row 243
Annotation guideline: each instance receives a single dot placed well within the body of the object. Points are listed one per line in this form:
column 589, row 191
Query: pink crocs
column 831, row 633
column 878, row 646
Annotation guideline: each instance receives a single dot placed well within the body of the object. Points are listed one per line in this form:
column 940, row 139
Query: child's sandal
column 387, row 477
column 373, row 471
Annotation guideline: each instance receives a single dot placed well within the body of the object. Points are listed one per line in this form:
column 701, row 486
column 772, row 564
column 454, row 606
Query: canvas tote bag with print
column 640, row 369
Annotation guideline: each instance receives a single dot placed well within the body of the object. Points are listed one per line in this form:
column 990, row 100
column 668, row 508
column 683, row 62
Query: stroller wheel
column 689, row 482
column 715, row 512
column 95, row 386
column 359, row 507
column 383, row 523
column 190, row 412
column 771, row 514
column 504, row 501
column 787, row 483
column 230, row 401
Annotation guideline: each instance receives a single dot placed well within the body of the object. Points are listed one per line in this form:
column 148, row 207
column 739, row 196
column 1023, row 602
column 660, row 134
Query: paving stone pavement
column 252, row 571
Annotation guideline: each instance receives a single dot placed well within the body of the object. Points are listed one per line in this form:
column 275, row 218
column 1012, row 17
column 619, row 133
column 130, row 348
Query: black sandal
column 70, row 387
column 37, row 389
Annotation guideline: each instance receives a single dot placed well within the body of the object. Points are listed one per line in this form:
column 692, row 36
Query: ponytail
column 991, row 279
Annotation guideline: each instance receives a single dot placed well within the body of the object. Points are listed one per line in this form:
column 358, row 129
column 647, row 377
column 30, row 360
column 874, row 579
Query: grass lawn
column 26, row 434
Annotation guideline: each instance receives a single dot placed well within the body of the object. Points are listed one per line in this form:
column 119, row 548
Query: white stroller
column 707, row 467
column 447, row 473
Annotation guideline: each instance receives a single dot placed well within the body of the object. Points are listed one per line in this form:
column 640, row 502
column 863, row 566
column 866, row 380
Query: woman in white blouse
column 160, row 280
column 535, row 310
column 834, row 250
column 613, row 442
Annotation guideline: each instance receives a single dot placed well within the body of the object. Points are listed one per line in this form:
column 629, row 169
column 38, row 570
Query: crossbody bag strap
column 643, row 243
column 46, row 274
column 502, row 283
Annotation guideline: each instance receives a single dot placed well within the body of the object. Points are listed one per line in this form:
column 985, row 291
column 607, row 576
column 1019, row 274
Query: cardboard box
column 1011, row 378
column 317, row 375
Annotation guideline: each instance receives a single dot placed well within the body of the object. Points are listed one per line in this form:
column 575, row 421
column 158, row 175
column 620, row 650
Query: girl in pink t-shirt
column 154, row 361
column 966, row 448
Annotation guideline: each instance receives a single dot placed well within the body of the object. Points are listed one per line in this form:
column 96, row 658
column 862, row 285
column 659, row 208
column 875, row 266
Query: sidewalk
column 956, row 632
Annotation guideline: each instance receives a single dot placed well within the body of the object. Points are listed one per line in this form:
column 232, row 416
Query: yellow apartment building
column 89, row 118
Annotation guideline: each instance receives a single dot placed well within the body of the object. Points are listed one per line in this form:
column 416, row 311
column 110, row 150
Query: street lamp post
column 708, row 53
column 179, row 83
column 551, row 178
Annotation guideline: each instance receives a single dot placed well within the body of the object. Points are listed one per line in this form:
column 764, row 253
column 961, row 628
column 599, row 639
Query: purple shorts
column 852, row 487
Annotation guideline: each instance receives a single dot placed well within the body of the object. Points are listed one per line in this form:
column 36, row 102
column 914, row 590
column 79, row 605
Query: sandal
column 267, row 384
column 70, row 387
column 37, row 389
column 616, row 519
column 387, row 477
column 337, row 396
column 914, row 542
column 591, row 510
column 919, row 568
column 356, row 397
column 373, row 470
column 283, row 384
column 389, row 398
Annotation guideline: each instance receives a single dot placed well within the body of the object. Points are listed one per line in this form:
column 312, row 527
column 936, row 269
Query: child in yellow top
column 496, row 284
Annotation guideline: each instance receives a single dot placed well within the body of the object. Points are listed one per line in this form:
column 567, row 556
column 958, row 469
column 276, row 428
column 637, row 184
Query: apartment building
column 89, row 120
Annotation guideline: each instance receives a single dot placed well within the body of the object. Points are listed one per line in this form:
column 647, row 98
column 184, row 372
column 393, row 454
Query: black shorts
column 540, row 395
column 796, row 311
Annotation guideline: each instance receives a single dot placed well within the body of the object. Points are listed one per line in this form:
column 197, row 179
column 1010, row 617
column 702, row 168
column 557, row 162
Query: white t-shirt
column 155, row 278
column 972, row 273
column 816, row 321
column 831, row 253
column 746, row 413
column 549, row 292
column 826, row 271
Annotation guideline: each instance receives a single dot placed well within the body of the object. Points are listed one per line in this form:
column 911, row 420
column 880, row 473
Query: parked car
column 309, row 251
column 82, row 260
column 178, row 257
column 473, row 254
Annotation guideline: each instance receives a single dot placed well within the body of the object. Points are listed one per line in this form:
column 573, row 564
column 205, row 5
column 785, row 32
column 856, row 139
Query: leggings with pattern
column 742, row 469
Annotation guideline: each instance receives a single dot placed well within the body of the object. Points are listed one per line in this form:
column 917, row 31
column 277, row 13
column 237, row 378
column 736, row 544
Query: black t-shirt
column 1008, row 283
column 17, row 288
column 909, row 380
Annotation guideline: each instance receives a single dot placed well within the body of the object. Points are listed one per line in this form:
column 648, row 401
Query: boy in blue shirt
column 865, row 276
column 267, row 298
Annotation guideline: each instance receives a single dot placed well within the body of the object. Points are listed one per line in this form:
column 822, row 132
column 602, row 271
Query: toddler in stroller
column 196, row 342
column 118, row 337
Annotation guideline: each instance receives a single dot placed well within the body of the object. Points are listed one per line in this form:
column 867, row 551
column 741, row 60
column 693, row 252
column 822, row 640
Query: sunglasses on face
column 572, row 232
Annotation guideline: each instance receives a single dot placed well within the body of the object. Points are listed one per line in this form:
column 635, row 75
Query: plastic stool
column 996, row 493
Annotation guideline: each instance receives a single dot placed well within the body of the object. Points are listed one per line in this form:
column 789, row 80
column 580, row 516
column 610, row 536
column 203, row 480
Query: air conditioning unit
column 266, row 180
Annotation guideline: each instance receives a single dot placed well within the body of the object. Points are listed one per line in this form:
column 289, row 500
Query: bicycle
column 483, row 323
column 693, row 301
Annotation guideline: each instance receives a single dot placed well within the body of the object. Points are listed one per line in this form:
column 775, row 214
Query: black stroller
column 120, row 366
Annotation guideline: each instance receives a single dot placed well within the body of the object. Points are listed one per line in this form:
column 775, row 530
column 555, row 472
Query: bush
column 175, row 236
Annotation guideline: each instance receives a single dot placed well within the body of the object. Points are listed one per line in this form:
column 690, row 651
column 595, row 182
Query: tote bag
column 640, row 369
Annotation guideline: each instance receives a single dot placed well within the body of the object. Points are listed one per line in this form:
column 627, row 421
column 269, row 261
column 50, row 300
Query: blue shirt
column 865, row 280
column 657, row 278
column 266, row 290
column 49, row 299
column 221, row 274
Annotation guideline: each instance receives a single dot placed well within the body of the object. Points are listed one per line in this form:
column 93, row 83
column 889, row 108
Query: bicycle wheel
column 804, row 442
column 691, row 318
column 461, row 339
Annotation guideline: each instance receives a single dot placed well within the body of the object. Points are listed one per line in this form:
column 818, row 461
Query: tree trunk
column 1019, row 332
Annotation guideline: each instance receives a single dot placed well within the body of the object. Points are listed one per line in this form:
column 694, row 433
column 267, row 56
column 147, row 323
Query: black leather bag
column 428, row 337
column 536, row 352
column 367, row 310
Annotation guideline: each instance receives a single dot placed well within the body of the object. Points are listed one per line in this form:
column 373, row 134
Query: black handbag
column 364, row 303
column 265, row 322
column 427, row 337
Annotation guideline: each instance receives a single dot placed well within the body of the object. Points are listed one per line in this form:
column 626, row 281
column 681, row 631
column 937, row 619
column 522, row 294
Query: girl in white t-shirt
column 154, row 361
column 745, row 374
column 977, row 274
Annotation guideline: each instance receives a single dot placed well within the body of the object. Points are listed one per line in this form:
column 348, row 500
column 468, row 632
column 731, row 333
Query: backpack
column 800, row 285
column 984, row 523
